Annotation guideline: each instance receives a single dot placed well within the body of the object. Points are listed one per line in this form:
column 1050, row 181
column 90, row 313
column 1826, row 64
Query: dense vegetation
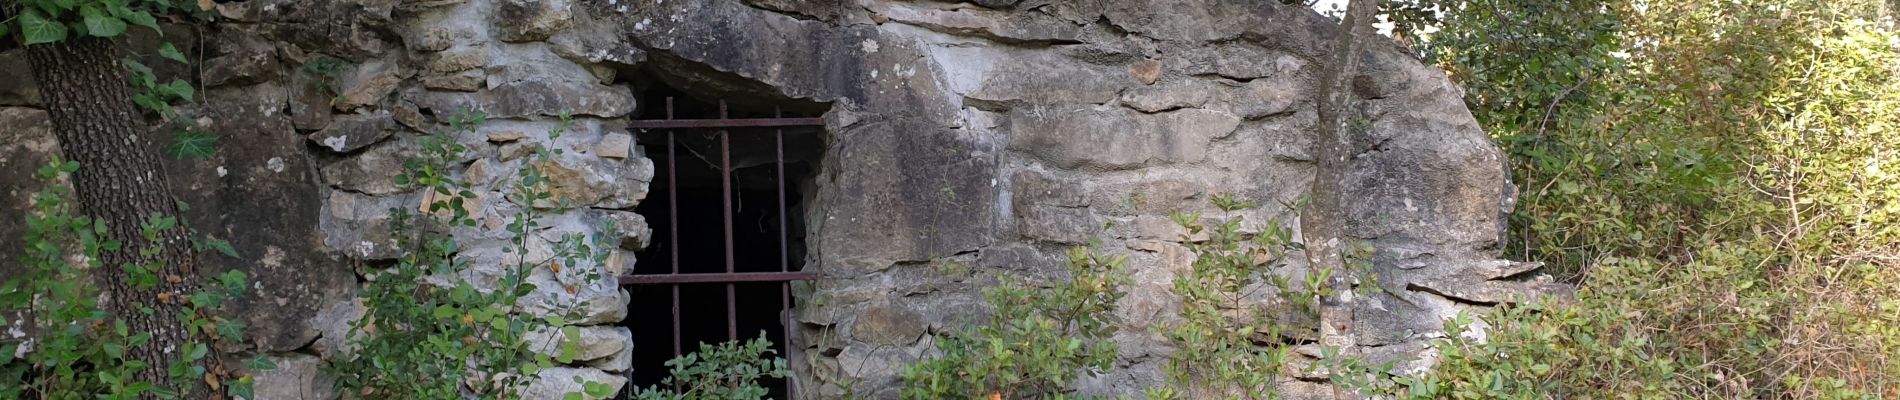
column 1719, row 177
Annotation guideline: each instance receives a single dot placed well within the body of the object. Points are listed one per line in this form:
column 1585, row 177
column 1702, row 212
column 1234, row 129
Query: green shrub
column 1217, row 343
column 728, row 371
column 1035, row 343
column 1717, row 176
column 430, row 333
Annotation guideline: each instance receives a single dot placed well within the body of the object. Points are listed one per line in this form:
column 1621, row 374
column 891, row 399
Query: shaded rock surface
column 963, row 140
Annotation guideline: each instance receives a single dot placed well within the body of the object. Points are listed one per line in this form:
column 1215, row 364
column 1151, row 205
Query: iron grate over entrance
column 723, row 128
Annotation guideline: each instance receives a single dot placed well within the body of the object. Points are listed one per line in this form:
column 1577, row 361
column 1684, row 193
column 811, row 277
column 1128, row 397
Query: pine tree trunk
column 1322, row 225
column 120, row 181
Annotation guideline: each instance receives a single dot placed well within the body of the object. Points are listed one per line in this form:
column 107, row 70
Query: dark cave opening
column 685, row 208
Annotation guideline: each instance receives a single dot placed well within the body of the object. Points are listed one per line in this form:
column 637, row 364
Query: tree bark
column 1322, row 225
column 1887, row 18
column 121, row 183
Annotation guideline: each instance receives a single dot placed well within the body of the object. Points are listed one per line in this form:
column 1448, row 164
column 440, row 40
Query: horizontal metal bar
column 659, row 279
column 723, row 123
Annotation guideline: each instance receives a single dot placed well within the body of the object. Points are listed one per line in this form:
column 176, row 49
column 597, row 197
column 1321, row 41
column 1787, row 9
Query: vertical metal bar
column 784, row 253
column 725, row 182
column 673, row 222
column 784, row 231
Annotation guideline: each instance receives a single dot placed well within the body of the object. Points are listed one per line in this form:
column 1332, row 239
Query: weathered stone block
column 888, row 324
column 353, row 132
column 1113, row 138
column 531, row 20
column 537, row 97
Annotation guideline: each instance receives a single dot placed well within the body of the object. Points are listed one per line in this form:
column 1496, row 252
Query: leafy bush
column 1217, row 350
column 1036, row 342
column 728, row 371
column 1717, row 176
column 429, row 332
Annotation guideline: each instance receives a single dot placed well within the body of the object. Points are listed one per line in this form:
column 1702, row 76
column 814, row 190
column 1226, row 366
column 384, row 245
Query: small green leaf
column 144, row 19
column 262, row 363
column 141, row 74
column 99, row 24
column 182, row 89
column 38, row 30
column 169, row 51
column 189, row 144
column 223, row 247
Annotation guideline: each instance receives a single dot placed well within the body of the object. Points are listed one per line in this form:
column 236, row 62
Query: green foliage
column 76, row 349
column 1717, row 176
column 1216, row 351
column 42, row 22
column 728, row 371
column 432, row 333
column 1036, row 342
column 49, row 21
column 325, row 74
column 1241, row 317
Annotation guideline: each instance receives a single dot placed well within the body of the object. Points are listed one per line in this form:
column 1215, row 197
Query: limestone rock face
column 963, row 140
column 1014, row 151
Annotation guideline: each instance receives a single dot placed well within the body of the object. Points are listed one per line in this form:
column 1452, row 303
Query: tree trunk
column 121, row 183
column 1887, row 18
column 1323, row 222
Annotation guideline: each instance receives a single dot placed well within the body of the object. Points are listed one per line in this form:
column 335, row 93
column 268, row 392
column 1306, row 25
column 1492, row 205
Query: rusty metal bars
column 731, row 277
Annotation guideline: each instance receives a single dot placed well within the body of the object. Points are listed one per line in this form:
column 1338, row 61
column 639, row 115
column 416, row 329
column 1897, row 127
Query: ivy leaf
column 141, row 18
column 141, row 74
column 150, row 103
column 182, row 89
column 99, row 24
column 597, row 389
column 223, row 247
column 262, row 363
column 38, row 30
column 189, row 144
column 169, row 51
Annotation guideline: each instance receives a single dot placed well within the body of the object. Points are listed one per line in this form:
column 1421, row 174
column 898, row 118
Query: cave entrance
column 727, row 209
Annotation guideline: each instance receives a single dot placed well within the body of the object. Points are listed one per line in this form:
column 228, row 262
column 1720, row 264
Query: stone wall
column 991, row 134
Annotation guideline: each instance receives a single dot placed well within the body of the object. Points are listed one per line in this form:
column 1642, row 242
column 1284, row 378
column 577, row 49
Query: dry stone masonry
column 964, row 140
